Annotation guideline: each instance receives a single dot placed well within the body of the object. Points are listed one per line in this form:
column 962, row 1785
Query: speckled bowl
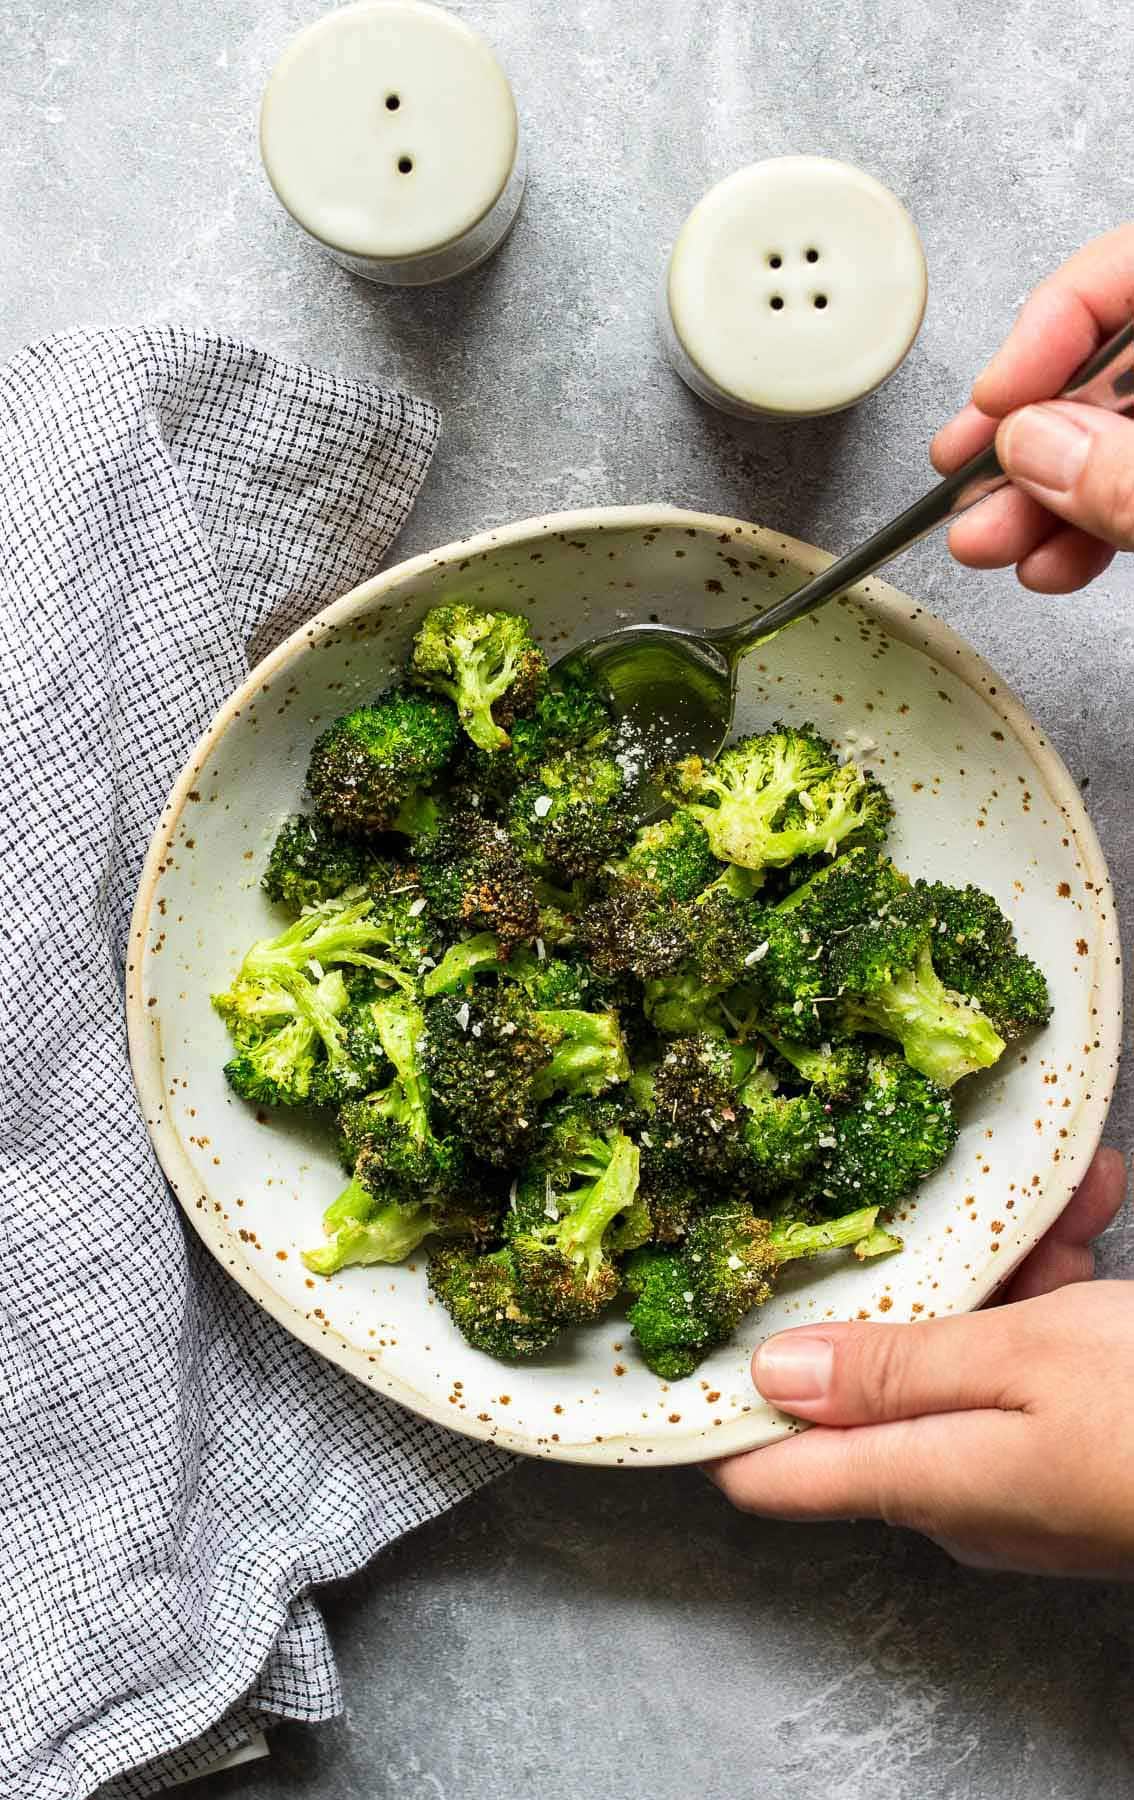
column 980, row 796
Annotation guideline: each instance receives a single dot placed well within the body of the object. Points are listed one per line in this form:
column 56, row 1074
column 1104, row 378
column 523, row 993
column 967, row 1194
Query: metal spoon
column 673, row 688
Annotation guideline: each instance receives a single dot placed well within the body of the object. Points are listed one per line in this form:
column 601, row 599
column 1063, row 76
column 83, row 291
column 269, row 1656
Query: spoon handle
column 1106, row 379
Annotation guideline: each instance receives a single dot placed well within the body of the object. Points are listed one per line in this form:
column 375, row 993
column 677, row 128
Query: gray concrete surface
column 571, row 1634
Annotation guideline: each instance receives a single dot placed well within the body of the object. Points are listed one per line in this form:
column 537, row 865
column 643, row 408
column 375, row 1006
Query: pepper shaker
column 389, row 132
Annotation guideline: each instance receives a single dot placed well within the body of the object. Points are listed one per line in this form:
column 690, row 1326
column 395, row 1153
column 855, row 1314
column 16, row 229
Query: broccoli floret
column 587, row 1052
column 573, row 816
column 678, row 1005
column 672, row 858
column 781, row 1135
column 388, row 1136
column 252, row 1009
column 696, row 1109
column 667, row 1189
column 481, row 661
column 770, row 799
column 493, row 1060
column 725, row 935
column 568, row 714
column 787, row 964
column 386, row 938
column 367, row 1067
column 857, row 887
column 876, row 1151
column 472, row 876
column 475, row 1214
column 561, row 1256
column 277, row 1069
column 368, row 769
column 631, row 930
column 835, row 1071
column 975, row 953
column 574, row 1146
column 489, row 1304
column 884, row 976
column 362, row 1229
column 692, row 1299
column 310, row 863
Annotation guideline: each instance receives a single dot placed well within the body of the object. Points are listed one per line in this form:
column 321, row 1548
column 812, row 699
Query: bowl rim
column 900, row 616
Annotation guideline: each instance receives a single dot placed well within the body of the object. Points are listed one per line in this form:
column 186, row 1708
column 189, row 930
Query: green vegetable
column 479, row 661
column 770, row 799
column 578, row 1058
column 368, row 770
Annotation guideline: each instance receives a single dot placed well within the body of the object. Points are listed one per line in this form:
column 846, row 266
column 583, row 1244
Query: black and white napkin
column 175, row 1471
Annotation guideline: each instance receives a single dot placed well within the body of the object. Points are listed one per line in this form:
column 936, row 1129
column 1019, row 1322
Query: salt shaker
column 796, row 286
column 389, row 132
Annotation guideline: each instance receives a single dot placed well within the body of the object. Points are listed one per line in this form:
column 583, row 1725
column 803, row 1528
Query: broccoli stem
column 461, row 962
column 391, row 1234
column 941, row 1034
column 401, row 1029
column 355, row 1204
column 879, row 1243
column 580, row 1234
column 589, row 1053
column 792, row 1241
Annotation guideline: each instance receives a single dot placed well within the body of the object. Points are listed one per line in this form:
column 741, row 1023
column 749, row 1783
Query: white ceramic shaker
column 795, row 287
column 389, row 132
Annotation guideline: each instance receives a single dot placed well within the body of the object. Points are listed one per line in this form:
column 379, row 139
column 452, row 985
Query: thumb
column 872, row 1374
column 1078, row 461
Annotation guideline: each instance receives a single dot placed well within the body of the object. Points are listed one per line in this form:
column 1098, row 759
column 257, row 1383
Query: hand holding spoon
column 674, row 687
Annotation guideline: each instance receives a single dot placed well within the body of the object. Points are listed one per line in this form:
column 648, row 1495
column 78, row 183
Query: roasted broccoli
column 769, row 799
column 781, row 1135
column 365, row 1230
column 370, row 770
column 486, row 1299
column 385, row 938
column 310, row 863
column 564, row 1248
column 573, row 815
column 883, row 978
column 568, row 714
column 672, row 858
column 577, row 1057
column 975, row 953
column 481, row 661
column 473, row 878
column 875, row 1150
column 494, row 1060
column 691, row 1299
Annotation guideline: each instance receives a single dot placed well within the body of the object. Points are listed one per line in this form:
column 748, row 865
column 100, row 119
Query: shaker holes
column 776, row 303
column 393, row 101
column 405, row 165
column 820, row 301
column 813, row 256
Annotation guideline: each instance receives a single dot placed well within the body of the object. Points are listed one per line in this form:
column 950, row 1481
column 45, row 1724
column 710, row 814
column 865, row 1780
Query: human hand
column 1072, row 466
column 1006, row 1436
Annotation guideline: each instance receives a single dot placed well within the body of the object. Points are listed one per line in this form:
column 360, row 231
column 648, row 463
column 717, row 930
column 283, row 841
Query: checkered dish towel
column 175, row 1471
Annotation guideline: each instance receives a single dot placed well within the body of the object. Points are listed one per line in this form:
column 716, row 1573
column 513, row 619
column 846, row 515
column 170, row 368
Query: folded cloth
column 175, row 1471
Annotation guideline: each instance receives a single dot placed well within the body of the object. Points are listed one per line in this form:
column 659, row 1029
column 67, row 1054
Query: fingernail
column 794, row 1367
column 1043, row 445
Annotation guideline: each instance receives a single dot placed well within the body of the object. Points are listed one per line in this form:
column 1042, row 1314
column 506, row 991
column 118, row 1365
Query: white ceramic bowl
column 980, row 796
